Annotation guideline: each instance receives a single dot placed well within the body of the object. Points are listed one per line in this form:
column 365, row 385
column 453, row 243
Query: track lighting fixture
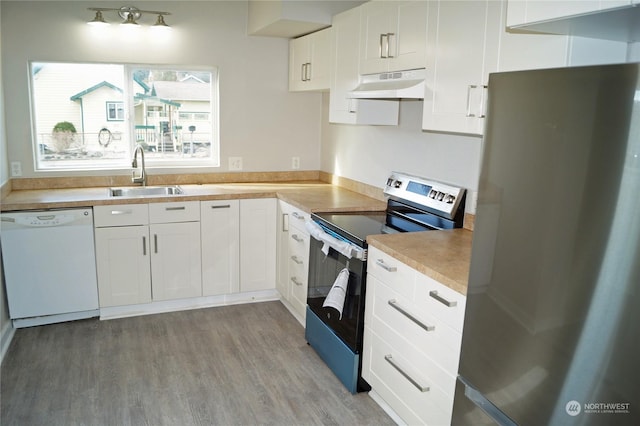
column 130, row 16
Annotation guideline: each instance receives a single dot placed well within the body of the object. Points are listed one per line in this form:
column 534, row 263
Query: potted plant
column 64, row 134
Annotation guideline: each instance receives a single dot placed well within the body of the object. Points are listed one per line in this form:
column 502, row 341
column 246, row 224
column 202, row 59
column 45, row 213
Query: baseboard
column 386, row 408
column 6, row 336
column 187, row 304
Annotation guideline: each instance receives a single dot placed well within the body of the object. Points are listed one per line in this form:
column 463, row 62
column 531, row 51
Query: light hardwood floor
column 233, row 365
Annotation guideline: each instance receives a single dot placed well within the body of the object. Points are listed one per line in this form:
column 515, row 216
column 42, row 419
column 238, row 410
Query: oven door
column 323, row 271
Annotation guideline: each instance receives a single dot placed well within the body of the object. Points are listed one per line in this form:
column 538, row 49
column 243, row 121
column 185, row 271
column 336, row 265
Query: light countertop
column 442, row 255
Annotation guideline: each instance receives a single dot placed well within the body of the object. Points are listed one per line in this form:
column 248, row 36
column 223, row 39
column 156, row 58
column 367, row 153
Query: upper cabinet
column 604, row 19
column 459, row 62
column 393, row 36
column 345, row 75
column 310, row 61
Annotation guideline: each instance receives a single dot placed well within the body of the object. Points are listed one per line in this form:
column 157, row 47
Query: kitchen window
column 91, row 116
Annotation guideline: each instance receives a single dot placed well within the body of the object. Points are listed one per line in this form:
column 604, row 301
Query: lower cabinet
column 257, row 244
column 123, row 265
column 220, row 234
column 147, row 252
column 413, row 333
column 293, row 258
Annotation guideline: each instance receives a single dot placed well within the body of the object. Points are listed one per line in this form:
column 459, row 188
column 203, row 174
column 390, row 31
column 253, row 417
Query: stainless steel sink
column 145, row 191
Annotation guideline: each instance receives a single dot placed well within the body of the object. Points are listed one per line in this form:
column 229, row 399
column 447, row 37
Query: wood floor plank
column 231, row 365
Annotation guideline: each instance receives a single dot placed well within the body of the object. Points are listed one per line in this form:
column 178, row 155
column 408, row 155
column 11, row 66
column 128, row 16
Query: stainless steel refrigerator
column 552, row 325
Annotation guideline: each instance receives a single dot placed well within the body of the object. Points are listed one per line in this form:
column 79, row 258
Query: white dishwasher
column 49, row 266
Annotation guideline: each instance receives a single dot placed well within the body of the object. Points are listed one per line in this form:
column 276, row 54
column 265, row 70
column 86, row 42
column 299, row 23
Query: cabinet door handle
column 384, row 50
column 296, row 238
column 295, row 281
column 222, row 206
column 394, row 304
column 449, row 303
column 406, row 375
column 469, row 89
column 389, row 35
column 169, row 209
column 120, row 212
column 386, row 267
column 144, row 245
column 285, row 222
column 295, row 259
column 308, row 71
column 155, row 242
column 302, row 73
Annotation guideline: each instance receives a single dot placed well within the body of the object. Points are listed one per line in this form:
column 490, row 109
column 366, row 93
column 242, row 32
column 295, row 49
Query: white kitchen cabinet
column 175, row 253
column 148, row 252
column 122, row 254
column 393, row 36
column 220, row 235
column 257, row 244
column 345, row 75
column 522, row 12
column 458, row 64
column 413, row 333
column 310, row 61
column 293, row 259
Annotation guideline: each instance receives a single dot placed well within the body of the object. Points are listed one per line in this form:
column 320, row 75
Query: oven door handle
column 341, row 246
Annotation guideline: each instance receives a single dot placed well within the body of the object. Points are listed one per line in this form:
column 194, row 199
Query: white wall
column 369, row 153
column 259, row 119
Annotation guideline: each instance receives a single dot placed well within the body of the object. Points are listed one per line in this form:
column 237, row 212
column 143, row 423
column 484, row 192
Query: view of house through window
column 89, row 116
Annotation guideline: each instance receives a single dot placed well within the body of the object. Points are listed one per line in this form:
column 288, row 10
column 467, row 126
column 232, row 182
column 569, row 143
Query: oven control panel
column 433, row 195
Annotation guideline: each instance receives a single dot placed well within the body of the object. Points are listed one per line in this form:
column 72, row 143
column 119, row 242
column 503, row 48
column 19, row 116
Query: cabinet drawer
column 398, row 381
column 185, row 211
column 297, row 219
column 121, row 215
column 391, row 271
column 442, row 302
column 401, row 322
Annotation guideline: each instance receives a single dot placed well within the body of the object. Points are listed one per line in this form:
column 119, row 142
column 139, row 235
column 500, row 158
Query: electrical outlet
column 235, row 163
column 295, row 163
column 16, row 169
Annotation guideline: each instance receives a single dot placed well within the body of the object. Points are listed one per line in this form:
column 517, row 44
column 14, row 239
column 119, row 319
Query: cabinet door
column 257, row 244
column 122, row 260
column 408, row 44
column 320, row 64
column 298, row 59
column 175, row 260
column 455, row 67
column 220, row 235
column 527, row 11
column 282, row 229
column 375, row 25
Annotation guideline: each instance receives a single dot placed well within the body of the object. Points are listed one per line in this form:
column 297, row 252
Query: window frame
column 186, row 160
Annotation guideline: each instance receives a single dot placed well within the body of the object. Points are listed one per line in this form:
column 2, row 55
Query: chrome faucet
column 142, row 177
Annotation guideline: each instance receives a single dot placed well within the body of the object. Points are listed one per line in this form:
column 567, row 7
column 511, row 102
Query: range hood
column 391, row 85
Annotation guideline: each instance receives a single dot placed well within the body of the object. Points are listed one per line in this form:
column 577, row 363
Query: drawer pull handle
column 449, row 303
column 406, row 375
column 169, row 209
column 394, row 304
column 386, row 267
column 222, row 206
column 296, row 238
column 295, row 281
column 155, row 242
column 295, row 259
column 297, row 215
column 119, row 212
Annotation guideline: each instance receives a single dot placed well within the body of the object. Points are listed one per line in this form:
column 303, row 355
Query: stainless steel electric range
column 338, row 264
